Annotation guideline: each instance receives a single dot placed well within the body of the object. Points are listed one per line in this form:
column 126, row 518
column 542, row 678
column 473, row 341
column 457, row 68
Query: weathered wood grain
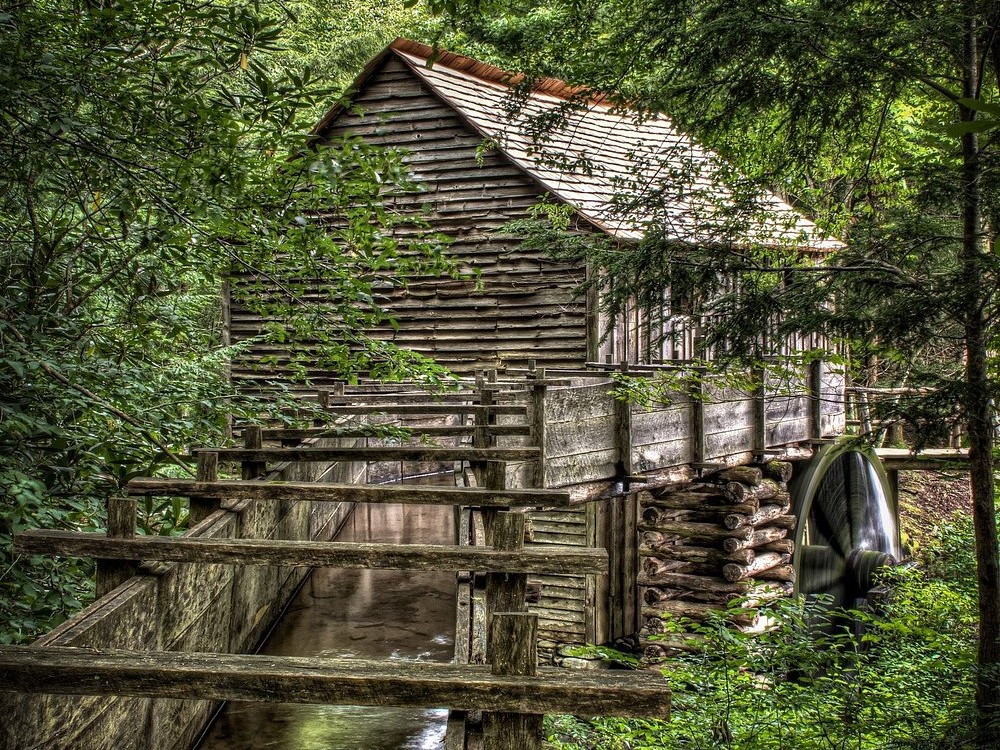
column 75, row 671
column 121, row 525
column 535, row 559
column 513, row 651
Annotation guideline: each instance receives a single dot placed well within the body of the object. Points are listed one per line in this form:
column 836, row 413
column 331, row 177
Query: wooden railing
column 512, row 691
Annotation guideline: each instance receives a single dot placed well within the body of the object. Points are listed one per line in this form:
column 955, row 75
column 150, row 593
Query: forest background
column 146, row 151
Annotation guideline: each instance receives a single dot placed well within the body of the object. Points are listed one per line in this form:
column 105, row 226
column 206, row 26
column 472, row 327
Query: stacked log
column 726, row 537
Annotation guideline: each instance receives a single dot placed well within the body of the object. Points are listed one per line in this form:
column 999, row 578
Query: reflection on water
column 374, row 614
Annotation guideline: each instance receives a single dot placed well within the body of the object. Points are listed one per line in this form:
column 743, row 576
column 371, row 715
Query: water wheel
column 847, row 524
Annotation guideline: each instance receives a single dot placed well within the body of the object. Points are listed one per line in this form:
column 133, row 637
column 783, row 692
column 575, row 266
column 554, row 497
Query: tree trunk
column 979, row 412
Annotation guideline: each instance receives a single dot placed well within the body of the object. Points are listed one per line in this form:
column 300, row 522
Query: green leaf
column 979, row 105
column 959, row 129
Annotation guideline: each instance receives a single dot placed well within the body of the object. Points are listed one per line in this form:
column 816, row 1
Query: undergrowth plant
column 899, row 677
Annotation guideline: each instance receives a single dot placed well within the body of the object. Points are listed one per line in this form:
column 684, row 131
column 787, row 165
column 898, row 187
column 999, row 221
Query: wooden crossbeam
column 359, row 493
column 547, row 559
column 415, row 409
column 361, row 453
column 295, row 679
column 416, row 431
column 931, row 459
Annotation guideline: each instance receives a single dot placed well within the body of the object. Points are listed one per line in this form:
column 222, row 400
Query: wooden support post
column 201, row 508
column 121, row 525
column 893, row 476
column 253, row 438
column 759, row 416
column 513, row 643
column 323, row 399
column 494, row 478
column 623, row 433
column 538, row 391
column 505, row 592
column 816, row 398
column 480, row 435
column 593, row 316
column 697, row 393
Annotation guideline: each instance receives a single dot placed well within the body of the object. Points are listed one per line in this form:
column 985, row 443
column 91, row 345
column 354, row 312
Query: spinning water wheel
column 848, row 525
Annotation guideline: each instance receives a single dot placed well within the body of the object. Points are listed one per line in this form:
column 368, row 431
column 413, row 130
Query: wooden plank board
column 361, row 453
column 127, row 618
column 474, row 409
column 417, row 431
column 931, row 459
column 662, row 455
column 533, row 559
column 791, row 431
column 575, row 404
column 581, row 436
column 585, row 467
column 308, row 491
column 653, row 427
column 198, row 587
column 72, row 671
column 729, row 443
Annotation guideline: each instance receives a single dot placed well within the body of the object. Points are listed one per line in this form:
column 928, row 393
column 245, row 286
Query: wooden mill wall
column 526, row 309
column 590, row 437
column 174, row 607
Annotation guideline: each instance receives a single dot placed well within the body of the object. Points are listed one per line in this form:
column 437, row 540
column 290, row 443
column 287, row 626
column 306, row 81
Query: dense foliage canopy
column 149, row 148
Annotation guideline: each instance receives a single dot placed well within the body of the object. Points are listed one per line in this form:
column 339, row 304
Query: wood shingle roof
column 628, row 175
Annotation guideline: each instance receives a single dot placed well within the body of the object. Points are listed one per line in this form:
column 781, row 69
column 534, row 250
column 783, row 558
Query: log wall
column 727, row 537
column 175, row 607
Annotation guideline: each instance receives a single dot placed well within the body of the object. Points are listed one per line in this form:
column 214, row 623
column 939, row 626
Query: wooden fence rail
column 84, row 671
column 362, row 453
column 542, row 559
column 429, row 409
column 304, row 491
column 416, row 431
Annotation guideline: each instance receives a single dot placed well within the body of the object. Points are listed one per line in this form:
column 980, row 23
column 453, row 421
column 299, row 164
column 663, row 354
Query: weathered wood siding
column 833, row 400
column 580, row 441
column 174, row 607
column 562, row 610
column 526, row 308
column 584, row 439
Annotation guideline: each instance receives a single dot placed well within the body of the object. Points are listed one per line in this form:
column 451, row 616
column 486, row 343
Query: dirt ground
column 927, row 498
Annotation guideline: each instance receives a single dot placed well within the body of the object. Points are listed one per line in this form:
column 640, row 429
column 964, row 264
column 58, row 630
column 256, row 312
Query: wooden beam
column 253, row 466
column 547, row 559
column 932, row 459
column 513, row 650
column 121, row 525
column 362, row 453
column 392, row 493
column 538, row 426
column 202, row 507
column 696, row 391
column 415, row 430
column 295, row 679
column 815, row 375
column 416, row 409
